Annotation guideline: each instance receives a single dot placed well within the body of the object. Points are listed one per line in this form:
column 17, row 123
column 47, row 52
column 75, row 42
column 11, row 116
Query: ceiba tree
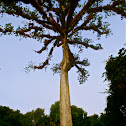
column 64, row 20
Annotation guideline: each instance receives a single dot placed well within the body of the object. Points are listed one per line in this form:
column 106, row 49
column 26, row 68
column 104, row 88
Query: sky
column 40, row 88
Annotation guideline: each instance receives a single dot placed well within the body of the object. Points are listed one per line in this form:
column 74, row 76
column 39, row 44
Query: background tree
column 61, row 17
column 9, row 117
column 38, row 113
column 43, row 121
column 78, row 115
column 54, row 113
column 116, row 101
column 36, row 116
column 29, row 117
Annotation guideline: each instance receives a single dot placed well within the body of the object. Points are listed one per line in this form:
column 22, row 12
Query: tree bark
column 65, row 107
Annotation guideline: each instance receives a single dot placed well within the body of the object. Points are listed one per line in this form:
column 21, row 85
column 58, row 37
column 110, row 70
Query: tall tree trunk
column 65, row 107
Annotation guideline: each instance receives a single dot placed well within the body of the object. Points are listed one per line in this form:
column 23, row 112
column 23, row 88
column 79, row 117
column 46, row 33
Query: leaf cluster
column 116, row 70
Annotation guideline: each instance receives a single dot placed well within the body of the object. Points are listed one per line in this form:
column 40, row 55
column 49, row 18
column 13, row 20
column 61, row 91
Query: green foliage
column 115, row 68
column 9, row 117
column 43, row 121
column 93, row 120
column 54, row 113
column 116, row 101
column 79, row 116
column 36, row 116
column 38, row 113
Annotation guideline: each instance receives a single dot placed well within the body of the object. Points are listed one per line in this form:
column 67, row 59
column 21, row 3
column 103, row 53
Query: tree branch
column 109, row 7
column 72, row 7
column 97, row 47
column 19, row 12
column 75, row 21
column 90, row 16
column 46, row 43
column 6, row 30
column 48, row 58
column 49, row 19
column 95, row 28
column 84, row 62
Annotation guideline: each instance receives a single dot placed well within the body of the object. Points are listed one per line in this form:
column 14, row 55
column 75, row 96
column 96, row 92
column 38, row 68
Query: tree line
column 10, row 117
column 114, row 114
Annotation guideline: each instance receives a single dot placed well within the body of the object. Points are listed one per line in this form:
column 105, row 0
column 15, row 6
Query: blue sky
column 26, row 92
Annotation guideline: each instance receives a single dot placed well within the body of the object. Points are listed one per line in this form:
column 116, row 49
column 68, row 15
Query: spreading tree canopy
column 52, row 20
